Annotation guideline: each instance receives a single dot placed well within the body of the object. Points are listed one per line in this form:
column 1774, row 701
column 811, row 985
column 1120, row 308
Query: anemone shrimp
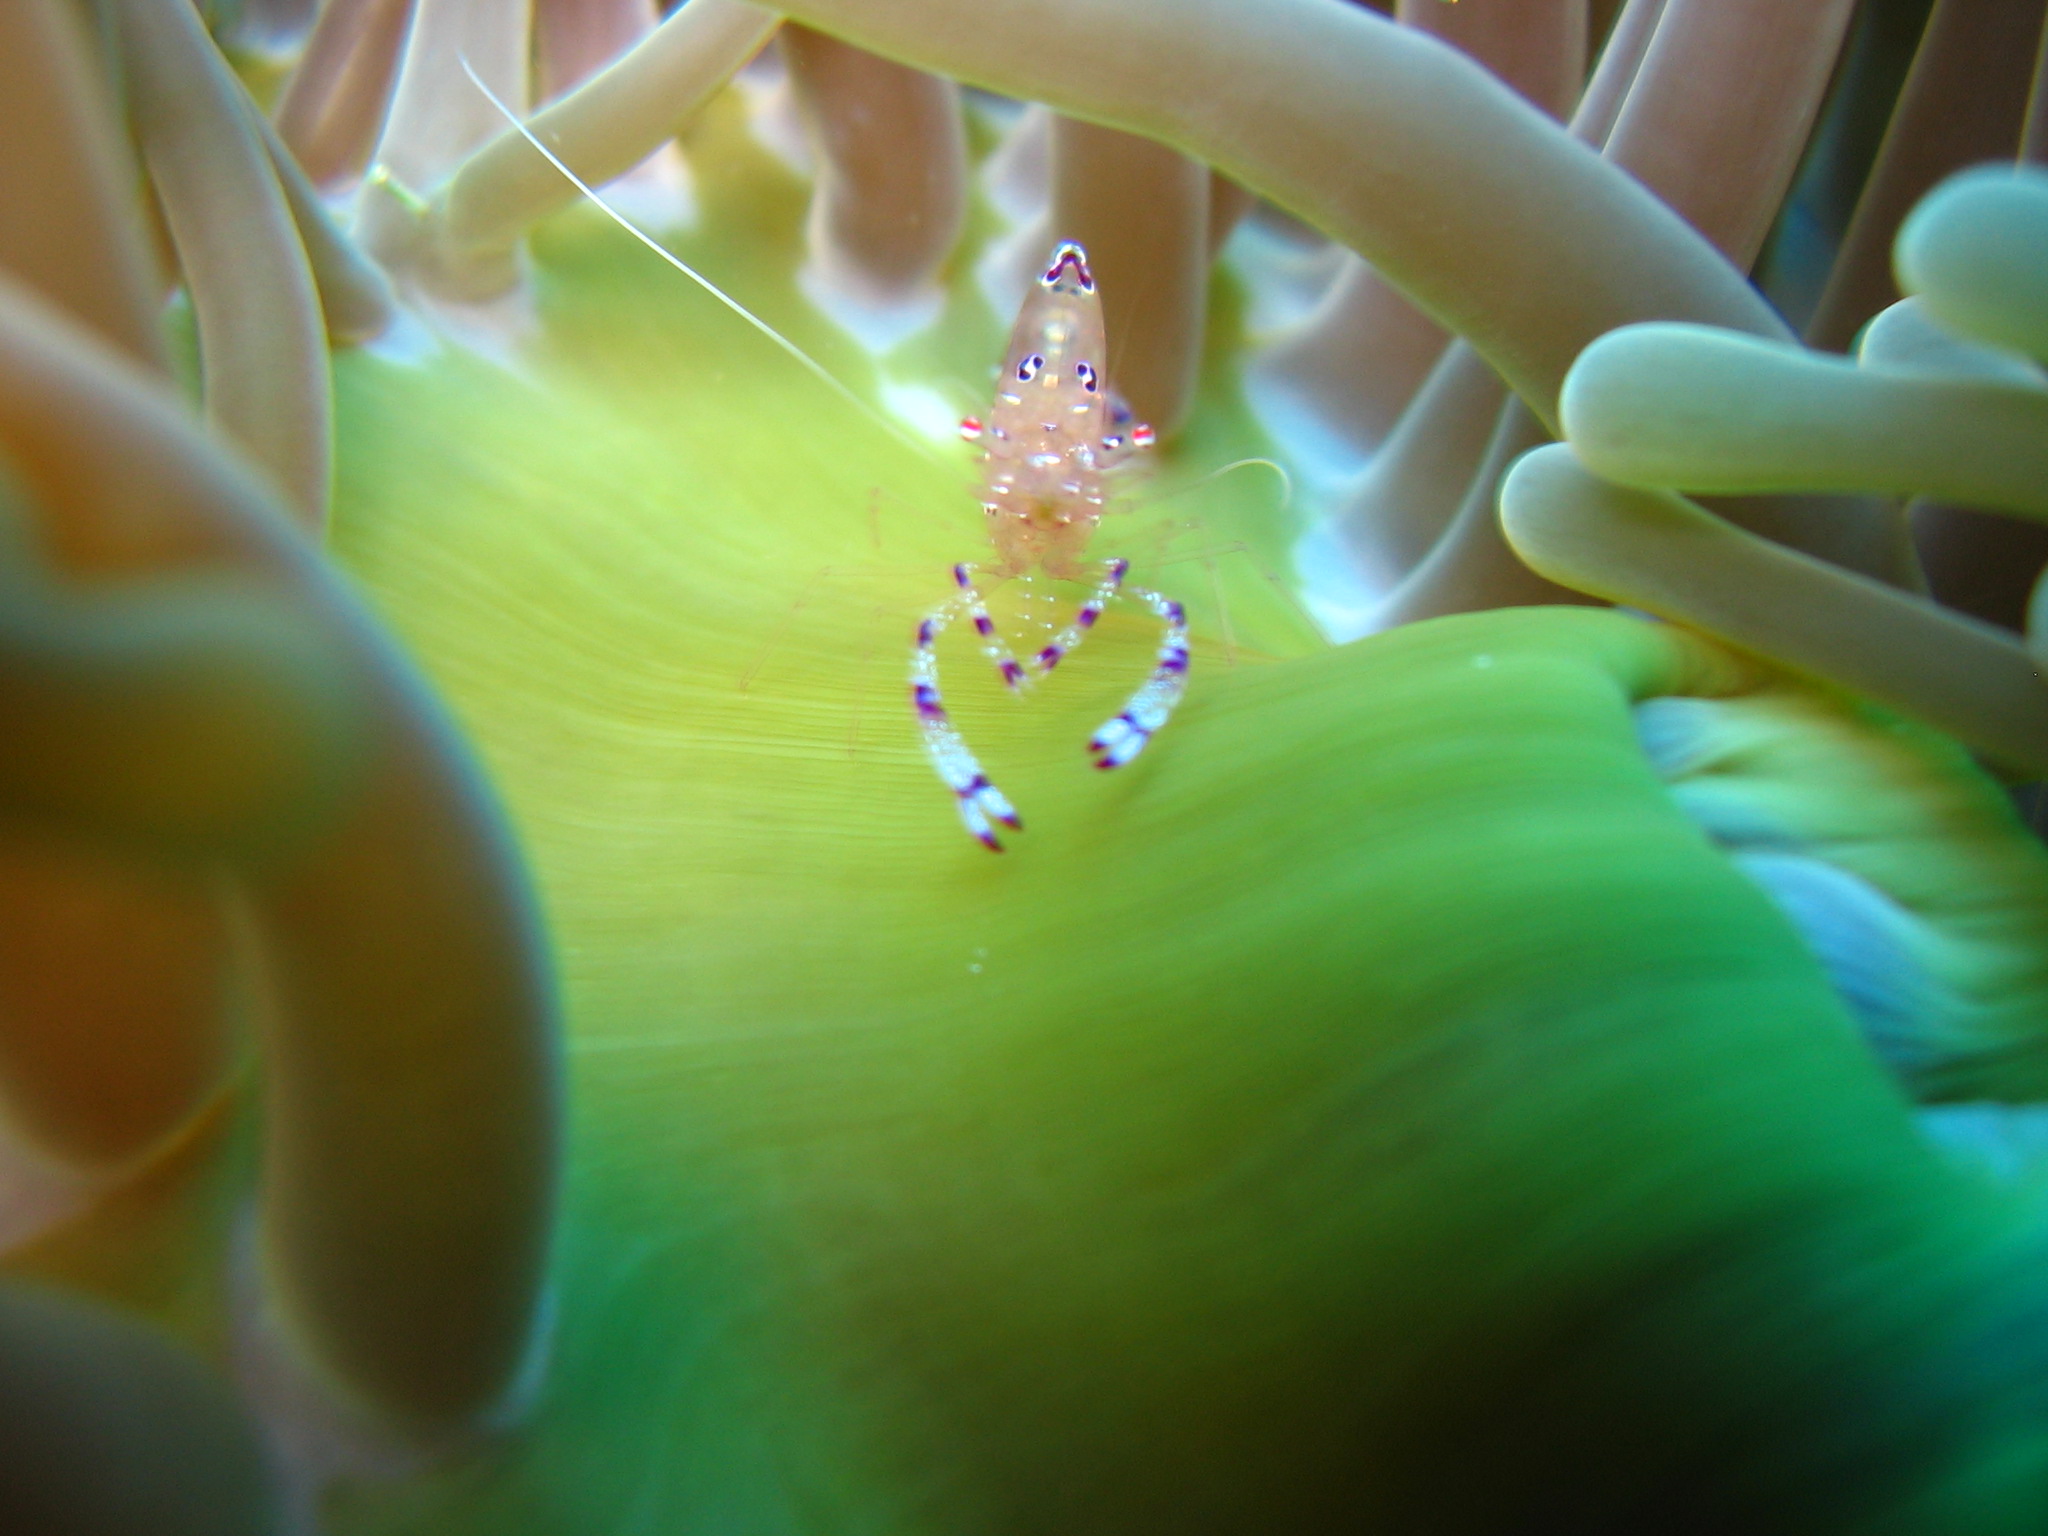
column 1054, row 435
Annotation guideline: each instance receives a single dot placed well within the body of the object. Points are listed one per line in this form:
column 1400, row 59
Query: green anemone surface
column 1379, row 1100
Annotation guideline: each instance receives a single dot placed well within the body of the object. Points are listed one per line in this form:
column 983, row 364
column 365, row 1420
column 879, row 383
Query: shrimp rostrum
column 1053, row 437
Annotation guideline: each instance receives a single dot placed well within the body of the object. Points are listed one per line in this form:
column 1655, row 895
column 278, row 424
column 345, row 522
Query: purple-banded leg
column 981, row 803
column 993, row 645
column 1084, row 619
column 1124, row 737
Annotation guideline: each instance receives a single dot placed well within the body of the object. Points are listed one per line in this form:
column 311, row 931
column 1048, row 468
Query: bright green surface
column 1377, row 1096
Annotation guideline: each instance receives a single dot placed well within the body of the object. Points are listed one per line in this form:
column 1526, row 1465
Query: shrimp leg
column 981, row 803
column 1084, row 618
column 1123, row 737
column 993, row 645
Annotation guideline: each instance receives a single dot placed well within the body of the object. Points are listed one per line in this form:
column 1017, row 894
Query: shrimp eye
column 1028, row 369
column 1086, row 375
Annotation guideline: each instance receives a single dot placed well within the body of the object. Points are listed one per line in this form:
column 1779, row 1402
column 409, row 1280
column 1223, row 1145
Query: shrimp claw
column 981, row 804
column 1123, row 737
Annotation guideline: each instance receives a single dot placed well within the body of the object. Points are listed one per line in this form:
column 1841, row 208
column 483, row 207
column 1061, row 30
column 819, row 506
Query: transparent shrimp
column 1055, row 433
column 1053, row 437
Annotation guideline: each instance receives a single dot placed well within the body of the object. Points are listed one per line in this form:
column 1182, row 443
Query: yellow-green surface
column 1378, row 1098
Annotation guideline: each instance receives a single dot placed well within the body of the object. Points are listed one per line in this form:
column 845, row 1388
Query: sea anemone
column 1533, row 1064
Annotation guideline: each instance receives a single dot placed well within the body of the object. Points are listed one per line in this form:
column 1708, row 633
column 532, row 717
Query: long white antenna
column 810, row 364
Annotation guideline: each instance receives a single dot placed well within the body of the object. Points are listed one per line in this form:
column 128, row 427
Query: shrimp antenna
column 811, row 364
column 1286, row 482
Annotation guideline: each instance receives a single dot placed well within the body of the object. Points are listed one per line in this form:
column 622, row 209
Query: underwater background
column 502, row 1029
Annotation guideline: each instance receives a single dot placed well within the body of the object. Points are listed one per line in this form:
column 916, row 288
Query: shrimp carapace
column 1053, row 435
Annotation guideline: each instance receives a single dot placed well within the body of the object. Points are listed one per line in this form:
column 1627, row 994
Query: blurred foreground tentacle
column 106, row 1427
column 195, row 719
column 403, row 1224
column 122, row 1009
column 162, row 730
column 70, row 223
